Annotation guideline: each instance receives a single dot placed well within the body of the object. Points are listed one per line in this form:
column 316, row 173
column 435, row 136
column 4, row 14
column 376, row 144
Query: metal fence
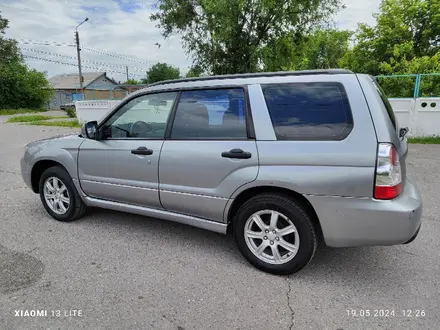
column 411, row 85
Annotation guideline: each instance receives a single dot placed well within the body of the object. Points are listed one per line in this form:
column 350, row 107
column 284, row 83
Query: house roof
column 71, row 80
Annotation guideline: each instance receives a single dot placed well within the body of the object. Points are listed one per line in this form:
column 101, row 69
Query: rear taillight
column 388, row 183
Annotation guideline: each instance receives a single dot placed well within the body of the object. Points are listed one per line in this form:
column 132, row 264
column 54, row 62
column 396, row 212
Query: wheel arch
column 38, row 169
column 247, row 194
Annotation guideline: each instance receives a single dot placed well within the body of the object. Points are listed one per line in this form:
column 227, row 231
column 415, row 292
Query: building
column 96, row 86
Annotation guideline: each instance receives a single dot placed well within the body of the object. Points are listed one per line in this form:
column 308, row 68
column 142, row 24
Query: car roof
column 232, row 79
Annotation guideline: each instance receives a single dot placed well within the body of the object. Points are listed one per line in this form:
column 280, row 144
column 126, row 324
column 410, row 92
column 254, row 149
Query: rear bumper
column 349, row 222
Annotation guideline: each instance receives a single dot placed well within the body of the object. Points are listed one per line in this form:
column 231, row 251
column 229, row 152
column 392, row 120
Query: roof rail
column 255, row 75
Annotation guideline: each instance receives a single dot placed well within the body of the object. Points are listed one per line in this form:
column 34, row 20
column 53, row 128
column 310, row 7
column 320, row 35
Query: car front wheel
column 59, row 195
column 275, row 234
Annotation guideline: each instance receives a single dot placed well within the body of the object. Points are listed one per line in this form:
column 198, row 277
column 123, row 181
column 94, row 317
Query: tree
column 160, row 72
column 321, row 49
column 8, row 47
column 231, row 36
column 131, row 82
column 399, row 22
column 20, row 87
column 403, row 61
column 194, row 71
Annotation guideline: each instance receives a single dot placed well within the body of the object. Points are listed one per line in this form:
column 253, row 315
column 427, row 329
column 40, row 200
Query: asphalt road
column 121, row 271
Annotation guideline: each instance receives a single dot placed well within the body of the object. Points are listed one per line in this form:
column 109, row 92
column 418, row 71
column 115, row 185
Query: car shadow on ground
column 357, row 263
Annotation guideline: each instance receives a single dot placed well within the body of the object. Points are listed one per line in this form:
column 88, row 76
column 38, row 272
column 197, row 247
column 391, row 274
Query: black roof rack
column 255, row 75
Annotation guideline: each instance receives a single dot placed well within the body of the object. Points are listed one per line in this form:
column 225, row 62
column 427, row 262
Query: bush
column 71, row 112
column 21, row 87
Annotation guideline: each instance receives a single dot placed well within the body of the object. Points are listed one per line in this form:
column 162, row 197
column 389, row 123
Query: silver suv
column 283, row 160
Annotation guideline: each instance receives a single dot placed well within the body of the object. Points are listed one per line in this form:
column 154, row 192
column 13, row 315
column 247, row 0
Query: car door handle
column 236, row 153
column 142, row 151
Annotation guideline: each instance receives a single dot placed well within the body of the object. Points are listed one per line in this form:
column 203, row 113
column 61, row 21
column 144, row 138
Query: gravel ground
column 111, row 270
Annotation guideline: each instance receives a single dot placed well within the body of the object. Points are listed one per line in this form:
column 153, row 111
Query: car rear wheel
column 275, row 234
column 59, row 195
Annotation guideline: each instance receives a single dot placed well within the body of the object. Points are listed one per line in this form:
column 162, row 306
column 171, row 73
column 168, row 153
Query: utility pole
column 126, row 70
column 78, row 52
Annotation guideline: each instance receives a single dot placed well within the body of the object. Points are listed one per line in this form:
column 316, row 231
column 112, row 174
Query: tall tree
column 20, row 87
column 194, row 71
column 8, row 47
column 321, row 49
column 229, row 36
column 160, row 72
column 399, row 22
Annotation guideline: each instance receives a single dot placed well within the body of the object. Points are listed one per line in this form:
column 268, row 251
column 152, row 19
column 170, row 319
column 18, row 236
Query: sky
column 119, row 33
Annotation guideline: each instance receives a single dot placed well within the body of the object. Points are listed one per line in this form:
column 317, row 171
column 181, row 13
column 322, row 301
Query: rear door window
column 210, row 114
column 309, row 111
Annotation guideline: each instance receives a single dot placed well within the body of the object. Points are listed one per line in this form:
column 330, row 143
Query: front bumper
column 26, row 171
column 349, row 222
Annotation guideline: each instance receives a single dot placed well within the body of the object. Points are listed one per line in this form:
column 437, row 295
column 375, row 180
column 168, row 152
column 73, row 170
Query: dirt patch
column 18, row 270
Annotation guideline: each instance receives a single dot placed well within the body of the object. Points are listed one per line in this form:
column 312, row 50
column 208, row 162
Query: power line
column 120, row 56
column 99, row 51
column 44, row 43
column 135, row 69
column 75, row 65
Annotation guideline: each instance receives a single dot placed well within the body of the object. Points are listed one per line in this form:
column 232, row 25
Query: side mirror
column 90, row 129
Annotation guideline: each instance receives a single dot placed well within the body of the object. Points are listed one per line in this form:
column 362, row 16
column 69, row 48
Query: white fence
column 421, row 115
column 93, row 110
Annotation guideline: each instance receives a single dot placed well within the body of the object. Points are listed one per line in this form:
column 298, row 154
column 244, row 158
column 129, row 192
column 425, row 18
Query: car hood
column 67, row 140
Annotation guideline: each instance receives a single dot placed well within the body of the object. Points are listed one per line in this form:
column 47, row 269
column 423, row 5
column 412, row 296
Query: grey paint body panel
column 161, row 214
column 195, row 179
column 189, row 182
column 354, row 221
column 107, row 169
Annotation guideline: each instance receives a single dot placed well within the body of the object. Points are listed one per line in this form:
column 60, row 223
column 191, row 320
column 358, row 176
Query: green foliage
column 20, row 87
column 405, row 28
column 425, row 140
column 161, row 72
column 405, row 40
column 8, row 112
column 60, row 123
column 231, row 36
column 321, row 49
column 71, row 112
column 8, row 47
column 132, row 82
column 194, row 71
column 25, row 119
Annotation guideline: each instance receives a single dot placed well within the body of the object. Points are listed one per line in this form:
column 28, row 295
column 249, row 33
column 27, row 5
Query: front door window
column 144, row 117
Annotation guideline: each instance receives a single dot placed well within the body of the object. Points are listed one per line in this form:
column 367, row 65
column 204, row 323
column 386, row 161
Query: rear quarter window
column 386, row 103
column 309, row 111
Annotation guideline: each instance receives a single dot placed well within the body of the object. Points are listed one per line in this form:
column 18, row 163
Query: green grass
column 31, row 118
column 8, row 112
column 425, row 140
column 60, row 123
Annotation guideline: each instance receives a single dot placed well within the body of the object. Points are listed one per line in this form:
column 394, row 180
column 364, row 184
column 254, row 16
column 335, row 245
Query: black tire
column 295, row 213
column 76, row 209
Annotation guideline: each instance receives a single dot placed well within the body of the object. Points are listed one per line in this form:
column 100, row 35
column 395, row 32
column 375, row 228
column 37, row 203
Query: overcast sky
column 119, row 33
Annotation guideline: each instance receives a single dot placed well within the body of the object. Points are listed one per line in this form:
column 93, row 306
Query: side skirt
column 161, row 214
